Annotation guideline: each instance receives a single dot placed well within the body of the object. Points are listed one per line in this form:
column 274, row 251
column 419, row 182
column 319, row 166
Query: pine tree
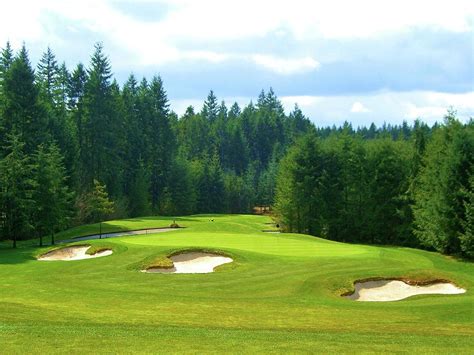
column 76, row 87
column 61, row 88
column 467, row 235
column 52, row 195
column 216, row 186
column 181, row 192
column 6, row 60
column 134, row 152
column 98, row 123
column 139, row 201
column 390, row 167
column 238, row 194
column 47, row 75
column 95, row 205
column 210, row 110
column 234, row 112
column 193, row 135
column 16, row 190
column 160, row 139
column 23, row 113
column 440, row 195
column 76, row 123
column 297, row 124
column 299, row 200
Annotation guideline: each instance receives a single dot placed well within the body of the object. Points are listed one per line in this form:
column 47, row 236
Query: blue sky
column 361, row 61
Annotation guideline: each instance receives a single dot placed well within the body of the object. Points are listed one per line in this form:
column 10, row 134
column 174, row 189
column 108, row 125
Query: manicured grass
column 281, row 294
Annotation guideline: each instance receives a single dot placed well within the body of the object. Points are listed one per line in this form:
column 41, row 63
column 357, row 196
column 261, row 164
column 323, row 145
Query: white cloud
column 338, row 18
column 302, row 101
column 415, row 112
column 358, row 107
column 393, row 107
column 149, row 43
column 286, row 66
column 212, row 20
column 435, row 104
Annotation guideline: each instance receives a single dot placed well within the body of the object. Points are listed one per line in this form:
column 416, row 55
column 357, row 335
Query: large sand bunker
column 73, row 253
column 193, row 263
column 395, row 290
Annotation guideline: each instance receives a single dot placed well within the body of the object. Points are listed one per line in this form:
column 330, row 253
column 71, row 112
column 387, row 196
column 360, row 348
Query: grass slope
column 282, row 294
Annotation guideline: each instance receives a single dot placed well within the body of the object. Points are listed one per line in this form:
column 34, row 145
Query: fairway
column 281, row 293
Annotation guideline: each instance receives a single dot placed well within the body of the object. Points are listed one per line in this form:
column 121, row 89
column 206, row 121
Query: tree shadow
column 15, row 256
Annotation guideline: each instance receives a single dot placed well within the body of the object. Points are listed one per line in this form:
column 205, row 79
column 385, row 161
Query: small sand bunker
column 193, row 263
column 72, row 253
column 395, row 290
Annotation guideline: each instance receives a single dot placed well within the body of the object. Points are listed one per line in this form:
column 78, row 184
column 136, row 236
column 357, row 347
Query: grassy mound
column 284, row 296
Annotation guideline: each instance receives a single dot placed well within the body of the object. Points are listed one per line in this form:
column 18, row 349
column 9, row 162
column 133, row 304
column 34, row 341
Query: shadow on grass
column 15, row 256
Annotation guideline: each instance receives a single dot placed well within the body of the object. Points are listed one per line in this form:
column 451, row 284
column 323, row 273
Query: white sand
column 72, row 253
column 193, row 263
column 394, row 290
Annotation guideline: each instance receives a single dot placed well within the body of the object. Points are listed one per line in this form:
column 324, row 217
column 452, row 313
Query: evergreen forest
column 78, row 147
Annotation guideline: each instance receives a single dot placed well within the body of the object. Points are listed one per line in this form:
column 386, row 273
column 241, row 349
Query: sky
column 359, row 61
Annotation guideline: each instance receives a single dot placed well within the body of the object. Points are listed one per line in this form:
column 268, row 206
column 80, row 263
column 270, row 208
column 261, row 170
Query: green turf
column 282, row 294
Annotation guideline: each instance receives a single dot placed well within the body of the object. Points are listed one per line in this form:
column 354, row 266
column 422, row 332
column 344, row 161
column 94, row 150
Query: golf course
column 281, row 292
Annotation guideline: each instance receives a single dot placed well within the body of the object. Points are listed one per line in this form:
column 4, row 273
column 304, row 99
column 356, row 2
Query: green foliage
column 95, row 205
column 6, row 60
column 467, row 236
column 443, row 188
column 16, row 191
column 99, row 126
column 52, row 196
column 346, row 189
column 139, row 204
column 299, row 201
column 370, row 184
column 23, row 114
column 210, row 108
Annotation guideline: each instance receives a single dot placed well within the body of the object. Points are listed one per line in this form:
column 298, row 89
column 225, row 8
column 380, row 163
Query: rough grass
column 162, row 262
column 283, row 296
column 98, row 247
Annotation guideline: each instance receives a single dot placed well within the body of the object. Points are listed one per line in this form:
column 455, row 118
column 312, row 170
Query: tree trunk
column 52, row 238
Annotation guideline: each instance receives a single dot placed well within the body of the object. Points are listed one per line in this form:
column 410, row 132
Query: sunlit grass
column 281, row 294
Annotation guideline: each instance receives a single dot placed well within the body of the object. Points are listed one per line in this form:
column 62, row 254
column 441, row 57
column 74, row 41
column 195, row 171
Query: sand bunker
column 193, row 263
column 394, row 290
column 72, row 253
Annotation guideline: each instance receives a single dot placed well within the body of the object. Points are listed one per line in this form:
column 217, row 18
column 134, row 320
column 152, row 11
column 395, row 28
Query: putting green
column 281, row 294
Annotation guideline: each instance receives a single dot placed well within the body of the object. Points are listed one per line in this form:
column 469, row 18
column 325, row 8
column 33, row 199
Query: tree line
column 77, row 147
column 415, row 190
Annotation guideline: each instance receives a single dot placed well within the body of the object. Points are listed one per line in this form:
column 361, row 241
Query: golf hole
column 192, row 263
column 395, row 290
column 73, row 253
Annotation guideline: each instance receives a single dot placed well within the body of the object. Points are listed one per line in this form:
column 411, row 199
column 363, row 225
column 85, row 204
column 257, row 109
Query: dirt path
column 119, row 234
